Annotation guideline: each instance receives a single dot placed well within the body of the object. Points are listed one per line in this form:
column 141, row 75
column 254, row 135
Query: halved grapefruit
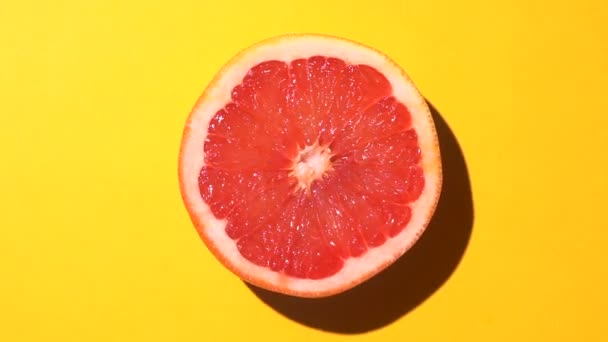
column 309, row 164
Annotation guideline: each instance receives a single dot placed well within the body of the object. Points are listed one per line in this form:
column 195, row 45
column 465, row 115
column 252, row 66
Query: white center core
column 311, row 164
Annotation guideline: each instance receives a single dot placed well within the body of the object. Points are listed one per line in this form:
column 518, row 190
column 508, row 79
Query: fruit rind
column 217, row 94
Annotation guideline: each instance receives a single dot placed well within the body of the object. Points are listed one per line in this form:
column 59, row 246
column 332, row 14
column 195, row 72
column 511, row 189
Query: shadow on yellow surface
column 413, row 278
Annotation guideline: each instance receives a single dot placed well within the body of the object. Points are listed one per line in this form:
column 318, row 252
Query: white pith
column 286, row 49
column 311, row 164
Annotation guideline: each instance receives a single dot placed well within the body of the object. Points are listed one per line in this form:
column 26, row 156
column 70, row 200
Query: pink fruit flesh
column 313, row 162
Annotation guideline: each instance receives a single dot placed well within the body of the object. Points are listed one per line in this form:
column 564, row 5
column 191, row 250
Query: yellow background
column 95, row 244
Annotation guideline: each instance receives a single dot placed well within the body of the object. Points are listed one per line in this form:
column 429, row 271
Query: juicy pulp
column 311, row 163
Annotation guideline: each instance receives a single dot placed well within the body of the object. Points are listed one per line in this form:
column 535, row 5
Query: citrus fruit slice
column 309, row 164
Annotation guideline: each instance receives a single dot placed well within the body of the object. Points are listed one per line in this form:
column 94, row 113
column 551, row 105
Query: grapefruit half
column 309, row 164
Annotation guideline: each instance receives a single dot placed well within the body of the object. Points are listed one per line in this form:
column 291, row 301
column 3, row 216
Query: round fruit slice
column 309, row 164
